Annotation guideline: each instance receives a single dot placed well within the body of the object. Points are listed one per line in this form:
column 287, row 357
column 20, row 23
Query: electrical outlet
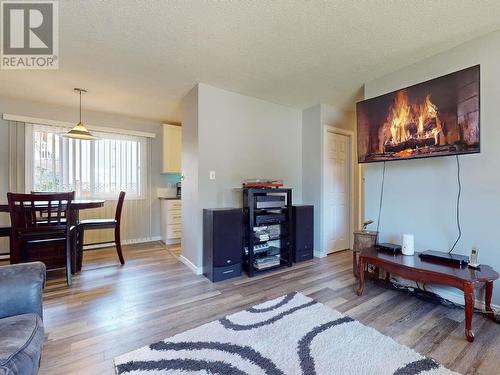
column 212, row 175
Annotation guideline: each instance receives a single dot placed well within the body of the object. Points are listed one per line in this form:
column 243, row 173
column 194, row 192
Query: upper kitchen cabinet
column 172, row 148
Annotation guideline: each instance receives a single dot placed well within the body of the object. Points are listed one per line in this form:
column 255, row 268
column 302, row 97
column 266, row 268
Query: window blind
column 97, row 169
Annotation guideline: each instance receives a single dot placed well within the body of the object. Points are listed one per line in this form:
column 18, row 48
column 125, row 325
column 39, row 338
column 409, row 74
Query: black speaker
column 303, row 232
column 222, row 243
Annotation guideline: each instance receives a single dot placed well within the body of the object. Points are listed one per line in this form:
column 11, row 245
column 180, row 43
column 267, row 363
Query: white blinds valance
column 67, row 125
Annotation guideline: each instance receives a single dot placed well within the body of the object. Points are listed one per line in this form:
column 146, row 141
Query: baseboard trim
column 171, row 242
column 190, row 265
column 319, row 254
column 450, row 294
column 142, row 240
column 458, row 297
column 125, row 242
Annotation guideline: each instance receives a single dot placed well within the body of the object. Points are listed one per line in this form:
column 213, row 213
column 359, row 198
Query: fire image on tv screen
column 439, row 117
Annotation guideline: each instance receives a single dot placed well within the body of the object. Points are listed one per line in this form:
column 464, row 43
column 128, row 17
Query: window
column 98, row 169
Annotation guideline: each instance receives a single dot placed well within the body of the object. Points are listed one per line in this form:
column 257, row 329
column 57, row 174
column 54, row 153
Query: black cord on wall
column 381, row 198
column 458, row 206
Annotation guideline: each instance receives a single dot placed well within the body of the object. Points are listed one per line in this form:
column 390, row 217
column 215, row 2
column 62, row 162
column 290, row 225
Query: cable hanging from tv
column 381, row 198
column 458, row 206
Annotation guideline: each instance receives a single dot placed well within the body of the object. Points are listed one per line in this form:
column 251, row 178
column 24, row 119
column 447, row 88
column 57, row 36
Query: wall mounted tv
column 439, row 117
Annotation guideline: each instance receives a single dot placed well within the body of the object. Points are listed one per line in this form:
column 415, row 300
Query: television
column 439, row 117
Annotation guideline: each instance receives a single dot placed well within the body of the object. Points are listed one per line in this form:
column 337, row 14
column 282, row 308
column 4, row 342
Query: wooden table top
column 77, row 204
column 413, row 262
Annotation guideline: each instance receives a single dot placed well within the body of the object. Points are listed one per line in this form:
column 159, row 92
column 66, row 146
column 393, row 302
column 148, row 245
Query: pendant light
column 80, row 131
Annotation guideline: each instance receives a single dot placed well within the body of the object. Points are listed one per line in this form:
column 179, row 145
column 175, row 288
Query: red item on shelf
column 262, row 185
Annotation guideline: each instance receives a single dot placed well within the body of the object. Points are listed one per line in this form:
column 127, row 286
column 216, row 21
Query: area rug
column 292, row 334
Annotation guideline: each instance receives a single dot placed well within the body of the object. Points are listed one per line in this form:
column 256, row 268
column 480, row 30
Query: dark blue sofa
column 21, row 326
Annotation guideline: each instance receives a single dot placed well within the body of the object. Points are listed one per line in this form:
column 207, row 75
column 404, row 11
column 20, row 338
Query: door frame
column 350, row 135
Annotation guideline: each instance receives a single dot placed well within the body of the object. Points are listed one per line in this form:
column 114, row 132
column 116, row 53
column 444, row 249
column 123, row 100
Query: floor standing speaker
column 303, row 232
column 222, row 243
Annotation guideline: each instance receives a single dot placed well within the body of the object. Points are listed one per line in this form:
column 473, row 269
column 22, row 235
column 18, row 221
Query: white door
column 337, row 192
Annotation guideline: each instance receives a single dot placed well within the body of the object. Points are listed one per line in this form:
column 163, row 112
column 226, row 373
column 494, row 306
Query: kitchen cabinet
column 172, row 148
column 171, row 221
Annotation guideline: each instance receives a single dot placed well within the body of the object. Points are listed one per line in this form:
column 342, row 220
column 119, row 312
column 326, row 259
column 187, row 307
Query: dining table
column 55, row 257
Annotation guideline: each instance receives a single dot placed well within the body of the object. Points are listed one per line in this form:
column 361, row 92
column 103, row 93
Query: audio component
column 272, row 218
column 389, row 247
column 269, row 201
column 303, row 232
column 441, row 256
column 222, row 243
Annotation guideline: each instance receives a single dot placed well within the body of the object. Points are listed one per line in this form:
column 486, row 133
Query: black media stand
column 267, row 229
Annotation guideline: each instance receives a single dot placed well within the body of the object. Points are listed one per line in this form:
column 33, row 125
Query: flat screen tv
column 439, row 117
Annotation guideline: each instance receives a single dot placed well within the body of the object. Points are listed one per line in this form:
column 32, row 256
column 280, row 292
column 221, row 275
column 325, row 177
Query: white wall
column 238, row 137
column 191, row 219
column 420, row 195
column 312, row 148
column 139, row 228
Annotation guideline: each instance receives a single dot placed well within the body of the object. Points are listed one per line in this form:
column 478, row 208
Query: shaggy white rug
column 292, row 334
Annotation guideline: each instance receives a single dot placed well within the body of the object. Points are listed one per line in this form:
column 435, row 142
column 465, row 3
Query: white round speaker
column 408, row 244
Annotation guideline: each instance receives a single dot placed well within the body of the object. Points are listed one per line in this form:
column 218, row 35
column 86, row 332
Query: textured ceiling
column 140, row 58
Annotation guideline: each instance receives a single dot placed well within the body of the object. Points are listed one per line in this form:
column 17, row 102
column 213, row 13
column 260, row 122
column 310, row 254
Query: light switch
column 212, row 175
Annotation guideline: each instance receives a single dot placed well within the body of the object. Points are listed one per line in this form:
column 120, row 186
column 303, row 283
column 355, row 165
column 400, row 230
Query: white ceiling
column 140, row 58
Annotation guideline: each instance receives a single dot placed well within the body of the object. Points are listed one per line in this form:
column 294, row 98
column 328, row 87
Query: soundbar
column 440, row 256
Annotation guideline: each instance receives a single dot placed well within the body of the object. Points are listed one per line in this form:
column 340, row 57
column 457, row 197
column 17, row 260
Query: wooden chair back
column 33, row 192
column 39, row 210
column 42, row 210
column 119, row 207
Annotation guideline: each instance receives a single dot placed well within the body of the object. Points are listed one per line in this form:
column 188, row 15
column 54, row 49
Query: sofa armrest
column 21, row 288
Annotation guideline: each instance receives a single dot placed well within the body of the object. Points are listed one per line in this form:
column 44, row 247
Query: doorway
column 337, row 214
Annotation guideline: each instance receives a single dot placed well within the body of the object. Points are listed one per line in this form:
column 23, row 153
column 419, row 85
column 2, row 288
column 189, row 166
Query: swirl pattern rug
column 292, row 334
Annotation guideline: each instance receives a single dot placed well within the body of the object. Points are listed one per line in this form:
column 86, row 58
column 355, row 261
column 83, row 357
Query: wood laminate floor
column 111, row 309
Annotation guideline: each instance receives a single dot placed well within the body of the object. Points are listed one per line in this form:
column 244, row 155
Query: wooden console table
column 413, row 268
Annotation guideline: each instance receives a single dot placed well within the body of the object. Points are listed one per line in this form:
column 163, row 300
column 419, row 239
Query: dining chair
column 92, row 224
column 5, row 231
column 43, row 210
column 41, row 220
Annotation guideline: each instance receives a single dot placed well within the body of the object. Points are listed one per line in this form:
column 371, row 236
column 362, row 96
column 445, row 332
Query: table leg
column 74, row 248
column 78, row 255
column 355, row 270
column 487, row 298
column 15, row 251
column 387, row 277
column 469, row 310
column 361, row 271
column 375, row 275
column 79, row 251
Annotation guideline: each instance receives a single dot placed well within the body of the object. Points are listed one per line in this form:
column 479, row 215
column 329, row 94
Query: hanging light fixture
column 80, row 131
